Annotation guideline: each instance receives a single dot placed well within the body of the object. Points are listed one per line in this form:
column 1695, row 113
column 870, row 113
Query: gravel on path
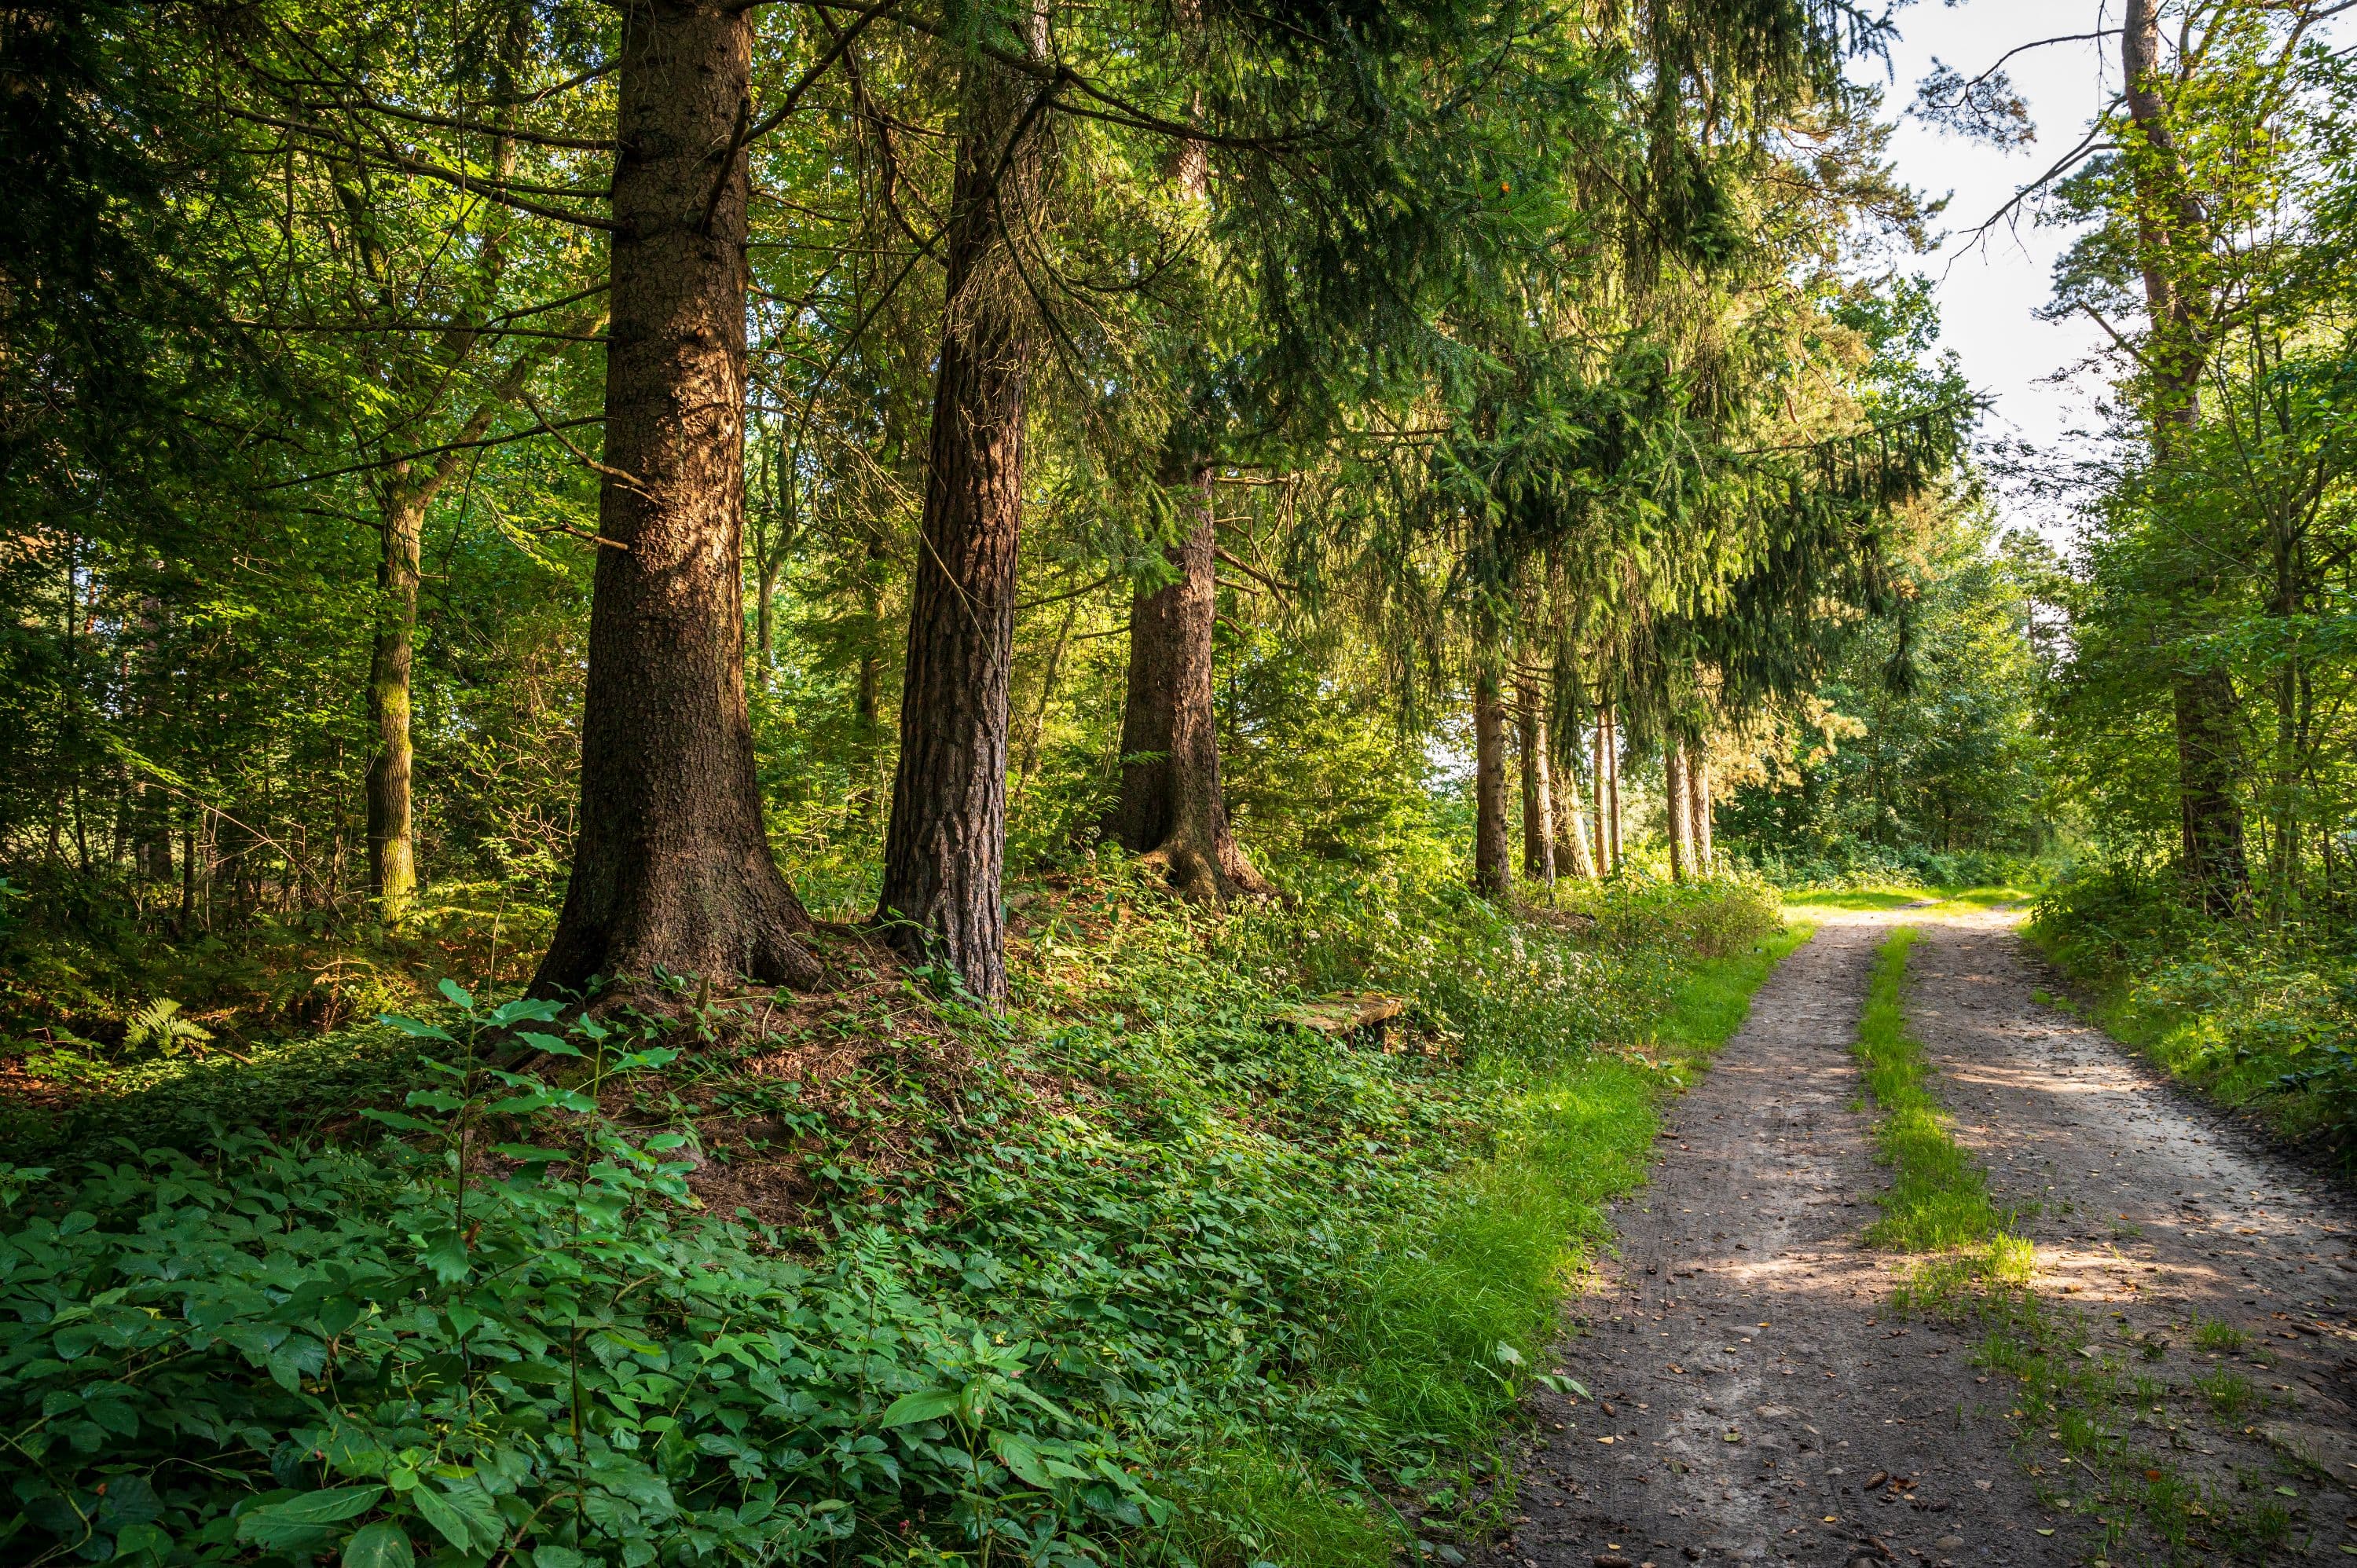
column 1751, row 1378
column 2153, row 1214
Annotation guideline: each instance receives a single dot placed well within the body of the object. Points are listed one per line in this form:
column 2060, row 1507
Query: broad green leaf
column 908, row 1409
column 1021, row 1457
column 464, row 1514
column 384, row 1544
column 456, row 994
column 296, row 1520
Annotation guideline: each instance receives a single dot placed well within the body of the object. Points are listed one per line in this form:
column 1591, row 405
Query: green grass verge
column 1938, row 1199
column 2076, row 1396
column 1467, row 1298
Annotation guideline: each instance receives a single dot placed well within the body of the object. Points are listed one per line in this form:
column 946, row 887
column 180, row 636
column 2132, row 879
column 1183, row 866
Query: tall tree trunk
column 1575, row 850
column 944, row 847
column 2169, row 227
column 1598, row 768
column 1172, row 809
column 392, row 856
column 1698, row 811
column 1680, row 826
column 1612, row 781
column 1492, row 873
column 1538, row 789
column 2209, row 753
column 672, row 865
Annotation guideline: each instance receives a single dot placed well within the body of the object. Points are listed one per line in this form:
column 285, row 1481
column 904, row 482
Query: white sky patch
column 1989, row 292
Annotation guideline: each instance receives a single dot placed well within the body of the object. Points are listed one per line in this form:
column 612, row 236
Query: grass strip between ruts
column 2074, row 1386
column 1467, row 1301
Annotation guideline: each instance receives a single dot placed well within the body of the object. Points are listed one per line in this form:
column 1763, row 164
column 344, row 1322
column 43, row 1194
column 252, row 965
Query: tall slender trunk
column 1046, row 695
column 946, row 843
column 392, row 857
column 1705, row 857
column 2169, row 224
column 672, row 867
column 1538, row 789
column 1612, row 781
column 2209, row 758
column 1172, row 808
column 1680, row 826
column 1492, row 873
column 1597, row 812
column 392, row 827
column 1575, row 851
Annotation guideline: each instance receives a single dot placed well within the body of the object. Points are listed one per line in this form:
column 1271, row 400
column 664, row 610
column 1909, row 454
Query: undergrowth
column 1126, row 1270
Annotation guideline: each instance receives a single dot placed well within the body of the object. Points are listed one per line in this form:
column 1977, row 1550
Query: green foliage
column 1251, row 1265
column 1918, row 758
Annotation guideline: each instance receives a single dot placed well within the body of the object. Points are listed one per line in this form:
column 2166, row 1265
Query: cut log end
column 1342, row 1014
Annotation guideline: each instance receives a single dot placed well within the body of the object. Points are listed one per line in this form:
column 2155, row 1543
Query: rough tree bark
column 674, row 867
column 945, row 846
column 2170, row 222
column 1680, row 824
column 1172, row 809
column 1492, row 873
column 1538, row 788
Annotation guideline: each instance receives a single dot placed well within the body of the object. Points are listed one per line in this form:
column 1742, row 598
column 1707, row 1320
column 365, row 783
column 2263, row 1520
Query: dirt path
column 1752, row 1378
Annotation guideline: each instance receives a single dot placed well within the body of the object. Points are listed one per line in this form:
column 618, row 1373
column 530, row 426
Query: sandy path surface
column 1752, row 1378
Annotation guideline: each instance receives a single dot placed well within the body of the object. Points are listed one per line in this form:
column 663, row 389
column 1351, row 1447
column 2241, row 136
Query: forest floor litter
column 1762, row 1390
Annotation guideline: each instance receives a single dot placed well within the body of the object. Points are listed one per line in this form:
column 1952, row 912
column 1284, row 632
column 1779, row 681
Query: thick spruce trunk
column 1492, row 872
column 1538, row 789
column 944, row 848
column 1172, row 809
column 672, row 867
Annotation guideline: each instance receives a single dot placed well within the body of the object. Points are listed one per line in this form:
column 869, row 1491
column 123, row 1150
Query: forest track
column 1745, row 1341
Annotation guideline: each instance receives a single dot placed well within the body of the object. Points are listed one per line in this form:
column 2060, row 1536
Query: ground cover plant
column 1125, row 1267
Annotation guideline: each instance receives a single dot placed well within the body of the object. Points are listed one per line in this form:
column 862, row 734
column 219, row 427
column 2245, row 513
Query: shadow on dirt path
column 1750, row 1377
column 2155, row 1215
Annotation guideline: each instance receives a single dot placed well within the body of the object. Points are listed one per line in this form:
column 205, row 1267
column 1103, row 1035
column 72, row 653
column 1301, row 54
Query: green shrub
column 1147, row 1273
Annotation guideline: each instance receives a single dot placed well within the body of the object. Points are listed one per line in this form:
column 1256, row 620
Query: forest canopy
column 608, row 486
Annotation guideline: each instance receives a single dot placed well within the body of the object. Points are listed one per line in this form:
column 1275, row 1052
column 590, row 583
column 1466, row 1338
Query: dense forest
column 726, row 719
